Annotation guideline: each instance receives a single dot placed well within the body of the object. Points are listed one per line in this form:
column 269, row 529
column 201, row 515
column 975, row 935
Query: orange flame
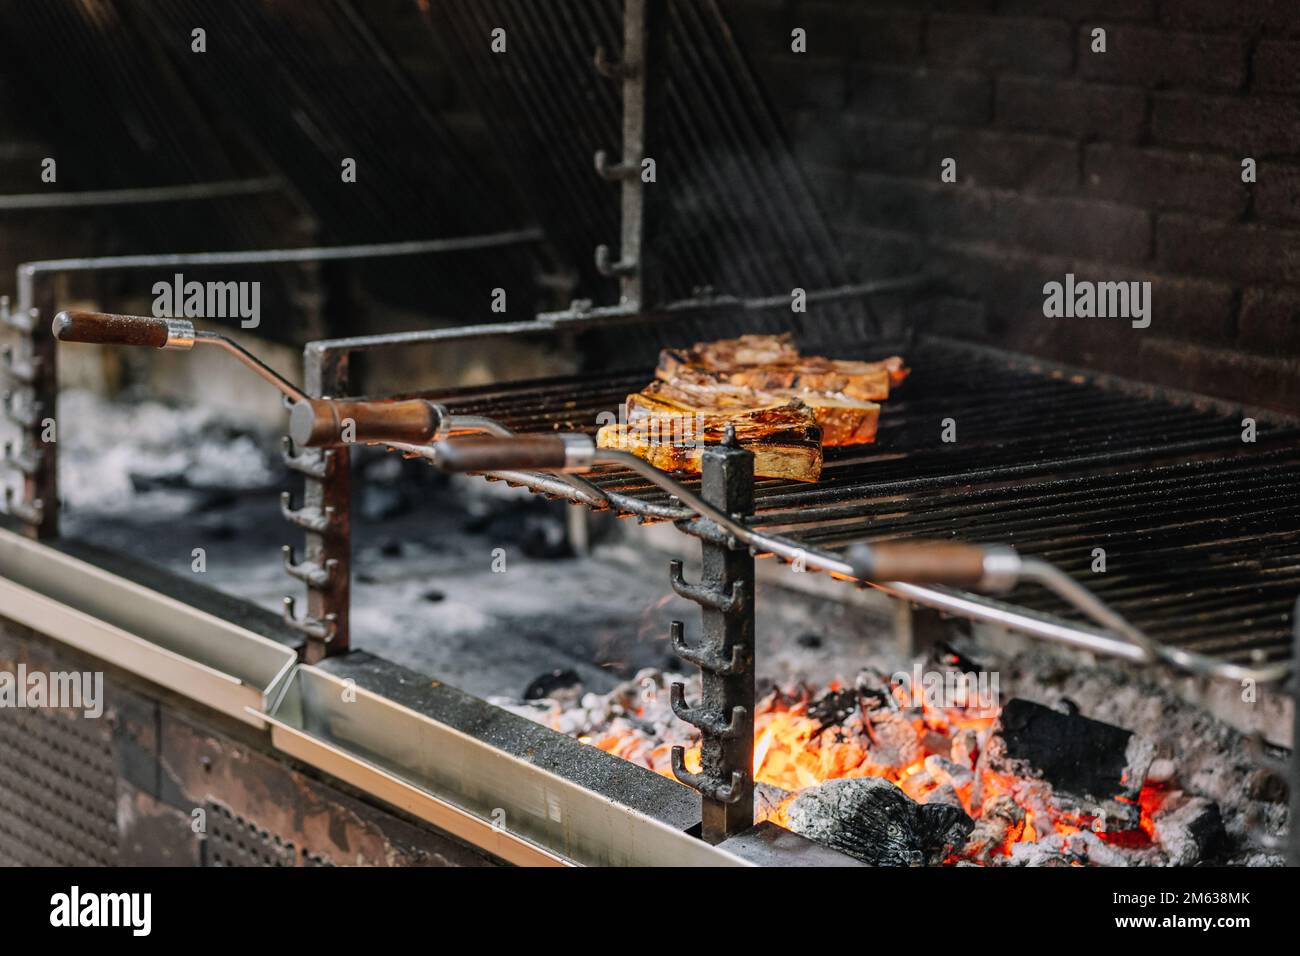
column 793, row 751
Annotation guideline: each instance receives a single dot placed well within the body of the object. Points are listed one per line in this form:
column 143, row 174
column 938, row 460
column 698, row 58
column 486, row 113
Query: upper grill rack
column 1200, row 529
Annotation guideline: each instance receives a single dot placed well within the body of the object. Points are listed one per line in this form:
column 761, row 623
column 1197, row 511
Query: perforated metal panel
column 234, row 840
column 58, row 792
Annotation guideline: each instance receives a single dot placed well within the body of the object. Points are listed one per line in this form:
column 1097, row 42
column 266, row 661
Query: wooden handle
column 524, row 453
column 921, row 562
column 322, row 422
column 103, row 328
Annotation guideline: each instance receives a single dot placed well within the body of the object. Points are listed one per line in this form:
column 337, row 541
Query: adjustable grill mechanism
column 1200, row 529
column 1052, row 463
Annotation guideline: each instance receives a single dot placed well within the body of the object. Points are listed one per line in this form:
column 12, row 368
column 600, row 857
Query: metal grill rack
column 1201, row 529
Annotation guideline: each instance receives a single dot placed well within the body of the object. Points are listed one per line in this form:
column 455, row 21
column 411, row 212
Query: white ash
column 105, row 448
column 637, row 713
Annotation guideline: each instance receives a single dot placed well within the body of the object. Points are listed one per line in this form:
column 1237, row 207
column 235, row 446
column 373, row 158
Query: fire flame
column 794, row 750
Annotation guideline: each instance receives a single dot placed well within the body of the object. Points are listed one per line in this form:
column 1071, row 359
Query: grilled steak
column 669, row 423
column 784, row 406
column 724, row 354
column 842, row 420
column 792, row 454
column 768, row 362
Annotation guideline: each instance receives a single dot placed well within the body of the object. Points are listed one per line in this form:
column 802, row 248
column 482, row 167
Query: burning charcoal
column 933, row 741
column 876, row 694
column 547, row 685
column 833, row 708
column 1263, row 784
column 874, row 821
column 1093, row 767
column 1087, row 847
column 1188, row 828
column 917, row 785
column 944, row 771
column 1047, row 851
column 1161, row 771
column 768, row 800
column 965, row 748
column 946, row 795
column 1001, row 822
column 894, row 742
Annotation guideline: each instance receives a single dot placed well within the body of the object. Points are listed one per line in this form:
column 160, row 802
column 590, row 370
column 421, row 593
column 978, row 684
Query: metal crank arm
column 313, row 422
column 103, row 328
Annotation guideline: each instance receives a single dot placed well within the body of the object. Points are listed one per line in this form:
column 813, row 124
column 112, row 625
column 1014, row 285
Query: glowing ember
column 803, row 738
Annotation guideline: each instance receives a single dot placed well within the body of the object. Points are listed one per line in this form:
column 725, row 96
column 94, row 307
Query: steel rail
column 219, row 189
column 28, row 270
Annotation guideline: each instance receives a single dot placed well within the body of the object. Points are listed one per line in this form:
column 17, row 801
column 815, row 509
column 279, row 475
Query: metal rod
column 708, row 307
column 1293, row 820
column 275, row 256
column 257, row 365
column 220, row 189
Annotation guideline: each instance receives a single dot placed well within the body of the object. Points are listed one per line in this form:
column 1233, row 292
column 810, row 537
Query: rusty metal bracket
column 32, row 367
column 710, row 597
column 613, row 172
column 326, row 568
column 28, row 461
column 609, row 69
column 315, row 463
column 643, row 74
column 727, row 795
column 29, row 513
column 703, row 659
column 725, row 714
column 317, row 519
column 606, row 265
column 709, row 723
column 309, row 572
column 26, row 418
column 321, row 630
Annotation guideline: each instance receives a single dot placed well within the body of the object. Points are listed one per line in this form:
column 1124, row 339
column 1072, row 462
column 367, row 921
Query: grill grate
column 1201, row 530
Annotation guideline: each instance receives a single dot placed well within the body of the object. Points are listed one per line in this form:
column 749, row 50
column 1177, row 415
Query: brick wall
column 1123, row 165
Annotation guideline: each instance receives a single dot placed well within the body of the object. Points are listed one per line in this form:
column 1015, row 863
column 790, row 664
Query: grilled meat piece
column 784, row 437
column 791, row 457
column 729, row 353
column 855, row 379
column 784, row 406
column 842, row 420
column 772, row 362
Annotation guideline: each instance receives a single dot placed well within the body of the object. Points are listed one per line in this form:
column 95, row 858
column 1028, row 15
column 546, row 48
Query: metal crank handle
column 406, row 425
column 562, row 453
column 104, row 328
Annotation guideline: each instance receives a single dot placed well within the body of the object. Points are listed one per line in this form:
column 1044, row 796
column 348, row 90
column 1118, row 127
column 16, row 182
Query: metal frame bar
column 186, row 192
column 643, row 76
column 326, row 520
column 725, row 654
column 459, row 782
column 158, row 637
column 35, row 368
